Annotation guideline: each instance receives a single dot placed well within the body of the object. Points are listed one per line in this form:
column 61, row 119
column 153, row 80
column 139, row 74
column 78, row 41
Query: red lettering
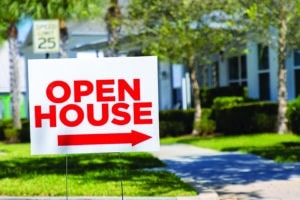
column 82, row 88
column 119, row 110
column 91, row 115
column 39, row 116
column 71, row 107
column 73, row 115
column 66, row 91
column 141, row 111
column 111, row 92
column 134, row 91
column 101, row 90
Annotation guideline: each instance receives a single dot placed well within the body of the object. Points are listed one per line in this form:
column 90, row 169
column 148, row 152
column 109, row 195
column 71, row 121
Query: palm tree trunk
column 113, row 25
column 63, row 31
column 14, row 75
column 282, row 90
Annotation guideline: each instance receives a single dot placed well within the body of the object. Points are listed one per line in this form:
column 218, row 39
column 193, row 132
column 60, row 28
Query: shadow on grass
column 283, row 152
column 77, row 164
column 136, row 170
column 222, row 169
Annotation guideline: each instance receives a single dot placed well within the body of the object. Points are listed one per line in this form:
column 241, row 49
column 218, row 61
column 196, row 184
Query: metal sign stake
column 121, row 177
column 67, row 193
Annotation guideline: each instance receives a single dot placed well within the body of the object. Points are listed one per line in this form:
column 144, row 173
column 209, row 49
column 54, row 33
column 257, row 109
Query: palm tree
column 11, row 12
column 113, row 25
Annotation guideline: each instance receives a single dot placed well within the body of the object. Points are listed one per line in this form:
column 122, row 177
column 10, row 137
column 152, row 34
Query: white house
column 5, row 109
column 257, row 70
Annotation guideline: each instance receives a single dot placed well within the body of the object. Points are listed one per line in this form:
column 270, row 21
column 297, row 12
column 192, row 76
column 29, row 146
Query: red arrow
column 133, row 137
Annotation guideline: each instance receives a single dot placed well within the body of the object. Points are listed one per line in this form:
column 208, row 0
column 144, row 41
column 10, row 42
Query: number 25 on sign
column 46, row 36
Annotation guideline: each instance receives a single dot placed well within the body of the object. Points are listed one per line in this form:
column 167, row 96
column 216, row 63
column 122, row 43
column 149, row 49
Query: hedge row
column 246, row 118
column 229, row 115
column 175, row 122
column 237, row 117
column 293, row 115
column 207, row 95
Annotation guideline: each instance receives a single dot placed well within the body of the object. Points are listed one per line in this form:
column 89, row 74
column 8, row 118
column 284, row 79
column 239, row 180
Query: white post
column 188, row 90
column 184, row 99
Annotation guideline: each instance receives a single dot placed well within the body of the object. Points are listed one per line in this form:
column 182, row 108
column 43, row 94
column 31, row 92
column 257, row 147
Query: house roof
column 125, row 43
column 75, row 28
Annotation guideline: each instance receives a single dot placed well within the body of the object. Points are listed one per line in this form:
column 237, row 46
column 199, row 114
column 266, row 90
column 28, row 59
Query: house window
column 297, row 72
column 264, row 86
column 237, row 70
column 215, row 74
column 263, row 57
column 296, row 58
column 264, row 74
column 204, row 76
column 297, row 82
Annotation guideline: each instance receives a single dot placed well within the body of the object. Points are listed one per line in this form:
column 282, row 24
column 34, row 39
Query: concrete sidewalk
column 232, row 175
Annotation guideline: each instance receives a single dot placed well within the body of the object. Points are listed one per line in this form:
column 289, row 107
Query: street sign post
column 93, row 105
column 46, row 36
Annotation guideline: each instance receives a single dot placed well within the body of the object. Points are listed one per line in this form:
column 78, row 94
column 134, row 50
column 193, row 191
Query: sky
column 24, row 27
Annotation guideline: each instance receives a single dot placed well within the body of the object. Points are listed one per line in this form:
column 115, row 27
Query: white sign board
column 46, row 36
column 93, row 105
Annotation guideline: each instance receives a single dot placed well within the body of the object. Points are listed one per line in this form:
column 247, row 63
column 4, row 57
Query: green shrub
column 1, row 130
column 25, row 131
column 175, row 122
column 206, row 125
column 8, row 133
column 11, row 135
column 264, row 122
column 207, row 95
column 171, row 128
column 244, row 118
column 293, row 115
column 224, row 102
column 180, row 122
column 5, row 124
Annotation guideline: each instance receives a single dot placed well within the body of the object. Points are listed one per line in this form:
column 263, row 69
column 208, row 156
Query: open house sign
column 93, row 105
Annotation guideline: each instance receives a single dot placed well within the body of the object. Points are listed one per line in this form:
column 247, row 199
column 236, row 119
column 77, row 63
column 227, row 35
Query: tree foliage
column 186, row 31
column 65, row 9
column 263, row 20
column 174, row 30
column 275, row 23
column 10, row 12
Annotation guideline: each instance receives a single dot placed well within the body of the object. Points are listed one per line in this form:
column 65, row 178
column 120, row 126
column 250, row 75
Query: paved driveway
column 232, row 175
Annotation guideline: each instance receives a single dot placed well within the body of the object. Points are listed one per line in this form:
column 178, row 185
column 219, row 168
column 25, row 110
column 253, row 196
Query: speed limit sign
column 46, row 36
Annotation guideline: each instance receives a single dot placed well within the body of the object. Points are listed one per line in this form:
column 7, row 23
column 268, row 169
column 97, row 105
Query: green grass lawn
column 281, row 148
column 88, row 174
column 99, row 174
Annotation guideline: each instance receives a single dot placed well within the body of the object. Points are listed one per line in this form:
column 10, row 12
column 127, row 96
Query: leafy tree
column 275, row 23
column 184, row 31
column 64, row 10
column 10, row 13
